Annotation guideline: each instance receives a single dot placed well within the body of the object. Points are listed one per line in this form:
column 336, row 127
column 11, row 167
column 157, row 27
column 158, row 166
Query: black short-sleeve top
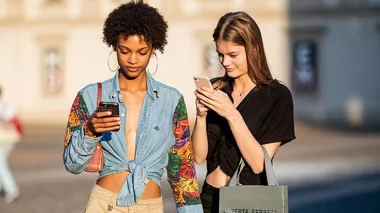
column 267, row 111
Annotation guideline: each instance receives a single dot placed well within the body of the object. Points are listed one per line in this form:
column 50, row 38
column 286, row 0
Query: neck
column 243, row 84
column 132, row 84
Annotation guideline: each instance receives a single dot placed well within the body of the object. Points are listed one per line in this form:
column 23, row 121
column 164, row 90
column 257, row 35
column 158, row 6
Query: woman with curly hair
column 150, row 133
column 246, row 111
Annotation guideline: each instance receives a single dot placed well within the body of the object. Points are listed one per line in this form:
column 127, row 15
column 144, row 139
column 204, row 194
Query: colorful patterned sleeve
column 77, row 147
column 181, row 166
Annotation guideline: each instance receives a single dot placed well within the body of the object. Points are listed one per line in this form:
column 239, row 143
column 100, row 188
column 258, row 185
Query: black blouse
column 268, row 112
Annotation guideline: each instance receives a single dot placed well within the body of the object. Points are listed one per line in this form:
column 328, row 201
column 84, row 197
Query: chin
column 232, row 74
column 131, row 75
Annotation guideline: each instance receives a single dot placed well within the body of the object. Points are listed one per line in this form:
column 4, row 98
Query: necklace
column 242, row 92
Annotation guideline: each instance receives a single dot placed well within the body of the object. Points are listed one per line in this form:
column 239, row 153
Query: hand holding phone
column 112, row 107
column 202, row 81
column 104, row 119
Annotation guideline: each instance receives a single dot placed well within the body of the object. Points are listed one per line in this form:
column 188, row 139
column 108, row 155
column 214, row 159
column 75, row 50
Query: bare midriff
column 217, row 178
column 114, row 182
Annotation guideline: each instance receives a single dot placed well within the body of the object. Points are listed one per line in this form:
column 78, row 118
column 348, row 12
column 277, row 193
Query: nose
column 133, row 59
column 225, row 61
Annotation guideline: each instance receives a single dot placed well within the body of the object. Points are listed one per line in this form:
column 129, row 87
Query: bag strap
column 271, row 179
column 99, row 94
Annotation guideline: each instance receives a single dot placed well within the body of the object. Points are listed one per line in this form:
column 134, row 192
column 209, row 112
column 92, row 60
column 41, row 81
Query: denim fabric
column 157, row 145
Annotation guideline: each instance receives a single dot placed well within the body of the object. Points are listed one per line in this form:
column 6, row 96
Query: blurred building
column 326, row 51
column 335, row 49
column 49, row 49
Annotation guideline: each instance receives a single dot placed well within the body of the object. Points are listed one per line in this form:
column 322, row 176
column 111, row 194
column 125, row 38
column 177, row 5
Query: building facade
column 335, row 48
column 52, row 48
column 326, row 51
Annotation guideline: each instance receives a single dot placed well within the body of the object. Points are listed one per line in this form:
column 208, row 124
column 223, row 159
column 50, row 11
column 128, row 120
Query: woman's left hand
column 217, row 101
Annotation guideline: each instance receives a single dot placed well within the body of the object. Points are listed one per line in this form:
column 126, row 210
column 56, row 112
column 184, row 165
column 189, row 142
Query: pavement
column 322, row 167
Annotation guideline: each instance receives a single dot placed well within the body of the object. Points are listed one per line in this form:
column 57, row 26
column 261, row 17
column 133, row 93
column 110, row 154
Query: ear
column 114, row 47
column 153, row 52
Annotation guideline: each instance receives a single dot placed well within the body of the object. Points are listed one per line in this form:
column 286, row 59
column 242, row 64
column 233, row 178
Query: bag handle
column 99, row 94
column 271, row 179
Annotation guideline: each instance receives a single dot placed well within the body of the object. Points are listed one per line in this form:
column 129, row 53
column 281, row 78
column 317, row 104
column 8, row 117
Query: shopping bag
column 254, row 198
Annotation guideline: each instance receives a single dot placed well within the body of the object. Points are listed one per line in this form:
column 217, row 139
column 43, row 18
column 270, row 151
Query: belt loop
column 110, row 205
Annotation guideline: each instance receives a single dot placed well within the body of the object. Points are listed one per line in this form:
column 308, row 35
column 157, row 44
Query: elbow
column 199, row 160
column 72, row 167
column 73, row 170
column 257, row 169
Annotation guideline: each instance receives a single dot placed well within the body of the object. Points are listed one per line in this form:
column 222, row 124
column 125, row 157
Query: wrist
column 233, row 116
column 201, row 117
column 89, row 133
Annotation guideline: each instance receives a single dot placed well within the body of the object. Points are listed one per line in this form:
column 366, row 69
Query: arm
column 278, row 128
column 181, row 168
column 78, row 147
column 278, row 123
column 249, row 147
column 199, row 139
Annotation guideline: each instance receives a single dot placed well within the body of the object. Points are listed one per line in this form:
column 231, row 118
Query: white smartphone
column 202, row 81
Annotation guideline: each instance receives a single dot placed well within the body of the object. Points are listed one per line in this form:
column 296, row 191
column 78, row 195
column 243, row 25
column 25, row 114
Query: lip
column 230, row 69
column 133, row 69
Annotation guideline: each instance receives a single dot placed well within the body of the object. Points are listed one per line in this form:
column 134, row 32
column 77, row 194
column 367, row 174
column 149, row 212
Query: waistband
column 208, row 188
column 100, row 191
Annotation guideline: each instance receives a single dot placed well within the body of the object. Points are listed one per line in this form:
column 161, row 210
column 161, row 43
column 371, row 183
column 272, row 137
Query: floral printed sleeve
column 78, row 148
column 181, row 167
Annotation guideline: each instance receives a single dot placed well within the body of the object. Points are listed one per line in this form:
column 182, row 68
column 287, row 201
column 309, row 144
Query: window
column 305, row 43
column 305, row 73
column 52, row 73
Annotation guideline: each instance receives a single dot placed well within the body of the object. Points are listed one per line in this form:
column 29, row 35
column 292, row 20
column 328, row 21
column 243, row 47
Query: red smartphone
column 112, row 107
column 202, row 81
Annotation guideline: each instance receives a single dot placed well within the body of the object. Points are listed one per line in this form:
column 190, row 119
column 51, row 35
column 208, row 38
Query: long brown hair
column 240, row 28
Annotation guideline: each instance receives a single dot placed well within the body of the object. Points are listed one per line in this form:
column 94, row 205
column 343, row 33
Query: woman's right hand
column 100, row 122
column 201, row 108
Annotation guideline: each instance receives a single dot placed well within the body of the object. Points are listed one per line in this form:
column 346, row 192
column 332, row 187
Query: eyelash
column 127, row 52
column 232, row 56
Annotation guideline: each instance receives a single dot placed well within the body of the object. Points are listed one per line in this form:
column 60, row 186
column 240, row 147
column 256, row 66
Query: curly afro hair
column 136, row 18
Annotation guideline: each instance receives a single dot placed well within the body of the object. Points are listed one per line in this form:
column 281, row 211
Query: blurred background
column 326, row 51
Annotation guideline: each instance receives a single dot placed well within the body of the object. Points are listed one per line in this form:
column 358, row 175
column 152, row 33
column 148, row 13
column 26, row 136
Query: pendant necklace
column 242, row 92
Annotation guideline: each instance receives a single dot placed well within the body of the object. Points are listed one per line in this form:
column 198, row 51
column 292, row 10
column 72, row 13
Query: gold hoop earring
column 108, row 63
column 156, row 65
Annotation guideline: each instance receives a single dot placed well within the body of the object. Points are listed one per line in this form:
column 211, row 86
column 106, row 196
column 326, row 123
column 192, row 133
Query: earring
column 108, row 62
column 156, row 65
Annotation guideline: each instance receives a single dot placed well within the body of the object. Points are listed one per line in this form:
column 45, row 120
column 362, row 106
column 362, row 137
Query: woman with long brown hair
column 247, row 109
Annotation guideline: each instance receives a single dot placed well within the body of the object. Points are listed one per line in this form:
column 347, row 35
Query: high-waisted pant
column 104, row 201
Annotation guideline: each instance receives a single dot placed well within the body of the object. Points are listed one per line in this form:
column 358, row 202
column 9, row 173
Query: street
column 326, row 171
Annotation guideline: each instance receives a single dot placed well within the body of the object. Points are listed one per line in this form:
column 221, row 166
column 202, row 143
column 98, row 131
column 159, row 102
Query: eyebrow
column 143, row 48
column 229, row 53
